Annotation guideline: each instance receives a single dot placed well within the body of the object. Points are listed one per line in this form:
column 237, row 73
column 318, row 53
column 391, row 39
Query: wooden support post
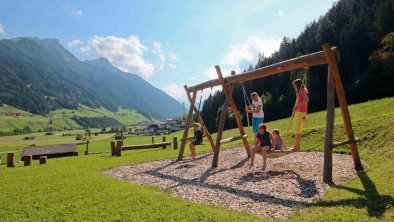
column 10, row 159
column 87, row 147
column 121, row 136
column 330, row 116
column 113, row 148
column 234, row 108
column 341, row 95
column 43, row 159
column 27, row 160
column 197, row 112
column 187, row 126
column 219, row 134
column 175, row 143
column 153, row 139
column 118, row 151
column 164, row 140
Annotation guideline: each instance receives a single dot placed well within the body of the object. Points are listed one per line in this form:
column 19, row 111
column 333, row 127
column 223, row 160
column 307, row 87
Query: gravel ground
column 289, row 181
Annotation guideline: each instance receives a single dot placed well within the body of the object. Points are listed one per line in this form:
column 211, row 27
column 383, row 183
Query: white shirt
column 255, row 104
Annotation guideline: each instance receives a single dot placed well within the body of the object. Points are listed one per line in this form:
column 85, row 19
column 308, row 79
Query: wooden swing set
column 334, row 86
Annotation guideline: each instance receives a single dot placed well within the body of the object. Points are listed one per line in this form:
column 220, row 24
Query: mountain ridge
column 40, row 75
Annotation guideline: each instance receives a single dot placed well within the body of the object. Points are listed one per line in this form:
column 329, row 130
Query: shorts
column 259, row 148
column 196, row 142
column 256, row 122
column 299, row 119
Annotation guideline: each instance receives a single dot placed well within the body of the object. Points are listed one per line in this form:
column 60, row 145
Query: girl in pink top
column 300, row 110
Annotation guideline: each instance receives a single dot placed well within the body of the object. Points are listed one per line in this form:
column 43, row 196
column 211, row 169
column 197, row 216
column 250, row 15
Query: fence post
column 113, row 148
column 10, row 159
column 164, row 140
column 43, row 159
column 175, row 143
column 27, row 160
column 118, row 148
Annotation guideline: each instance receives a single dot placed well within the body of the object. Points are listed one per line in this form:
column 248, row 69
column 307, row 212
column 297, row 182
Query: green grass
column 75, row 188
column 62, row 118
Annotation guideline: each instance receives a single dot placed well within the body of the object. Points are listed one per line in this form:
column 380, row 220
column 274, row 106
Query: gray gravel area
column 289, row 182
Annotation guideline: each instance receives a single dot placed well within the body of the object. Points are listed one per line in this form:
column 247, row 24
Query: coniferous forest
column 363, row 31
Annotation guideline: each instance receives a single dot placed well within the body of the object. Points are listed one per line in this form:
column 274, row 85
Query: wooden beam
column 27, row 160
column 330, row 116
column 336, row 144
column 146, row 146
column 314, row 59
column 233, row 107
column 197, row 112
column 10, row 159
column 219, row 134
column 234, row 138
column 341, row 95
column 187, row 126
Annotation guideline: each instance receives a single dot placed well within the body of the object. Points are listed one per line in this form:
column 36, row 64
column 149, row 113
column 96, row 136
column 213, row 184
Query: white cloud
column 173, row 57
column 243, row 54
column 74, row 42
column 84, row 49
column 76, row 13
column 158, row 51
column 126, row 54
column 176, row 91
column 280, row 12
column 172, row 65
column 2, row 30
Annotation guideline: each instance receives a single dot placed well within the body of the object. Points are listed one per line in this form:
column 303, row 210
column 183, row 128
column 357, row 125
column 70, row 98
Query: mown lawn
column 76, row 189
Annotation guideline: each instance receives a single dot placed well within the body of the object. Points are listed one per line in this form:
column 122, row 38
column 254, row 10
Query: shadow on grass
column 375, row 203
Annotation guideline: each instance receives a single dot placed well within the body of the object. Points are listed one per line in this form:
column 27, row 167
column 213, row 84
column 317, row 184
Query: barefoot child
column 197, row 140
column 300, row 111
column 280, row 144
column 265, row 142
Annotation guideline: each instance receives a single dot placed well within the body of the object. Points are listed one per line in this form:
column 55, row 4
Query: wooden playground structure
column 329, row 56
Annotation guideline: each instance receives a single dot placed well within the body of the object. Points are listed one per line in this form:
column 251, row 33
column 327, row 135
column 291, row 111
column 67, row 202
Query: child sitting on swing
column 265, row 142
column 198, row 137
column 280, row 143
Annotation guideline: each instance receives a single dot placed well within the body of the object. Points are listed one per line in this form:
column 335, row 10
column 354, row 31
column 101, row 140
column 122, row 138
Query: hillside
column 368, row 197
column 61, row 119
column 39, row 75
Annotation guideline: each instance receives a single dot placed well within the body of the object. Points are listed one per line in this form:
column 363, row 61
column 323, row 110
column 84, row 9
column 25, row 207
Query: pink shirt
column 301, row 98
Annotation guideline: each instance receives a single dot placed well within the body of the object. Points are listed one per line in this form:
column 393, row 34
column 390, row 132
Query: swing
column 235, row 138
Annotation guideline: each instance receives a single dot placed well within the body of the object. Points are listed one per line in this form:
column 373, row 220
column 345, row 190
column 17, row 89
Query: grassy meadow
column 75, row 189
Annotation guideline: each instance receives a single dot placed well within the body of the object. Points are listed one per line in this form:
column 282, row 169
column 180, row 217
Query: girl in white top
column 258, row 114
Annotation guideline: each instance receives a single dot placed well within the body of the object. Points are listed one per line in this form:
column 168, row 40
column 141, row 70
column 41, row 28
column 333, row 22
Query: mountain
column 40, row 75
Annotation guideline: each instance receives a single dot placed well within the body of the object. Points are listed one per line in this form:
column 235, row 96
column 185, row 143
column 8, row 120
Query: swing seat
column 279, row 153
column 234, row 138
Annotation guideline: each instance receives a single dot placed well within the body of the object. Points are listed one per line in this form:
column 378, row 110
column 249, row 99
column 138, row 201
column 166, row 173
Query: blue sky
column 169, row 43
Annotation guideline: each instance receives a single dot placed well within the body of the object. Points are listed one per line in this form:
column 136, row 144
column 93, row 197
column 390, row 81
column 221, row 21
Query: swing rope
column 246, row 99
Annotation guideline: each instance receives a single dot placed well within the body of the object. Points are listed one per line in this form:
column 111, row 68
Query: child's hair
column 276, row 131
column 263, row 126
column 299, row 84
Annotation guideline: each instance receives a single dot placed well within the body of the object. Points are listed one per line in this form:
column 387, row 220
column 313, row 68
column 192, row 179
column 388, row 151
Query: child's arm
column 273, row 141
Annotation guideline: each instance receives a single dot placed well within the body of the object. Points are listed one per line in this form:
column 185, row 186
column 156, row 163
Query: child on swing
column 280, row 143
column 299, row 111
column 198, row 137
column 265, row 141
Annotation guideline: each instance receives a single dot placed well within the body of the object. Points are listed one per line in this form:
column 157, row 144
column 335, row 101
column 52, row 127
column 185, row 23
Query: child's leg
column 253, row 154
column 264, row 154
column 298, row 124
column 192, row 150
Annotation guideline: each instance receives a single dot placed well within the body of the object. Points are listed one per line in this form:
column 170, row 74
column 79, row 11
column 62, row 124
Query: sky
column 169, row 43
